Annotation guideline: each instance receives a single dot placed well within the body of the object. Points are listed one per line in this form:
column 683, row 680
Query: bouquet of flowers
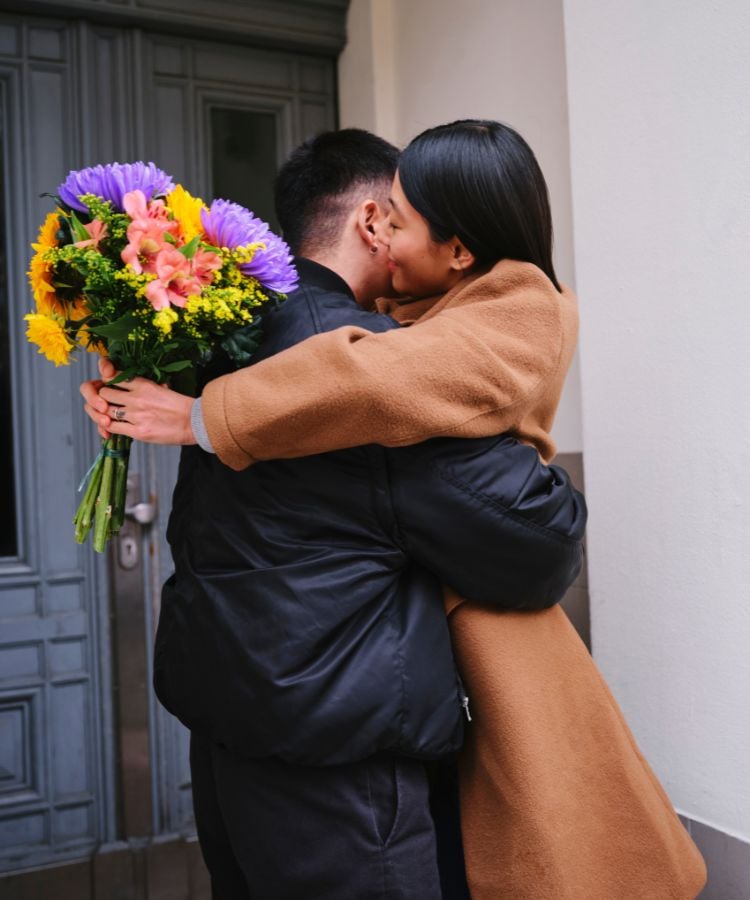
column 132, row 266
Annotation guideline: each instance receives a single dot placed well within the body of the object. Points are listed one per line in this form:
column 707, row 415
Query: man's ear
column 461, row 257
column 369, row 216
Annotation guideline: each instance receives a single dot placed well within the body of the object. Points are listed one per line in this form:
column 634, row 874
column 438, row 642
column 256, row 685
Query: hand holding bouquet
column 133, row 267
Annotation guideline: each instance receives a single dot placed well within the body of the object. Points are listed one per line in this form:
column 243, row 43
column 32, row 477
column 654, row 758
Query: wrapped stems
column 84, row 516
column 103, row 504
column 120, row 485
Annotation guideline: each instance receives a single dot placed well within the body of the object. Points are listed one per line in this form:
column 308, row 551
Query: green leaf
column 117, row 330
column 176, row 366
column 125, row 375
column 241, row 345
column 188, row 251
column 79, row 232
column 169, row 238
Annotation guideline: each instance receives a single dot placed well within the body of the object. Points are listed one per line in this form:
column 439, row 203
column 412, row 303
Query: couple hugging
column 361, row 630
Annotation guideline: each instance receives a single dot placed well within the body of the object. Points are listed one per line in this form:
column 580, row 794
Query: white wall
column 660, row 151
column 412, row 64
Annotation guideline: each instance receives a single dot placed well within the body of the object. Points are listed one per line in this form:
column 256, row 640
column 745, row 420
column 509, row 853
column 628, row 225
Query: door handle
column 143, row 513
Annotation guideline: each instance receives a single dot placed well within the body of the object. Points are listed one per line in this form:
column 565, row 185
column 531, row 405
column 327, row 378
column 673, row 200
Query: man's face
column 379, row 272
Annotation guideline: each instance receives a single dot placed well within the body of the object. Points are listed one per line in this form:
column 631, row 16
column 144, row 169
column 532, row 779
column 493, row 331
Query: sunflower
column 48, row 231
column 86, row 340
column 78, row 310
column 186, row 210
column 89, row 342
column 41, row 271
column 49, row 334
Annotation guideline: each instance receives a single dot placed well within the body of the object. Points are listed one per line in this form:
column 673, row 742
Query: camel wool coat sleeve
column 488, row 357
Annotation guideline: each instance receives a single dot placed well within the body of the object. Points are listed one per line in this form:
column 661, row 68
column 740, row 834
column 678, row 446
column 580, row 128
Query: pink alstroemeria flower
column 205, row 263
column 97, row 231
column 146, row 233
column 137, row 208
column 175, row 281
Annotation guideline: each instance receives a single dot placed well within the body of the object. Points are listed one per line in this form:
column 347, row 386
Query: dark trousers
column 446, row 813
column 270, row 830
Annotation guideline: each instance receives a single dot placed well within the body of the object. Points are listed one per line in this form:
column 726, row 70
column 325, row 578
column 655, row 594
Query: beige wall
column 410, row 64
column 660, row 131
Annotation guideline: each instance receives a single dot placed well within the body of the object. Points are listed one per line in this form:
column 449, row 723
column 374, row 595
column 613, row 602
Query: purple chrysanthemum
column 230, row 225
column 112, row 182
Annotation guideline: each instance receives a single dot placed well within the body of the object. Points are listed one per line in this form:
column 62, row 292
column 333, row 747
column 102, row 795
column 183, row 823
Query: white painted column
column 412, row 64
column 660, row 151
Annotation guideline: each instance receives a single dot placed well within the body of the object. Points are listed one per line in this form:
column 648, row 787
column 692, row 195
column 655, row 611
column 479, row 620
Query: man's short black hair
column 319, row 184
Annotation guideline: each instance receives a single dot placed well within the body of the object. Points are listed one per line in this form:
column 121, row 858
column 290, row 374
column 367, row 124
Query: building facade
column 638, row 113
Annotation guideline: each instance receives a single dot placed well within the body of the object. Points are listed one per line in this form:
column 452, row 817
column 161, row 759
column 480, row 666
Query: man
column 302, row 637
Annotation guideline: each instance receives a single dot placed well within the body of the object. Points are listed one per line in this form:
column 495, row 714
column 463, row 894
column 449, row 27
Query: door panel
column 8, row 529
column 245, row 111
column 87, row 756
column 53, row 724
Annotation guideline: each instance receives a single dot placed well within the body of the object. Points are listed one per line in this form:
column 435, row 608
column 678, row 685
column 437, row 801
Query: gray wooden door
column 87, row 757
column 244, row 112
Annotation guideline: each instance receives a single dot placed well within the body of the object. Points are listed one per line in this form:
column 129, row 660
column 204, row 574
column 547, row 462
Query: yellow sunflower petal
column 50, row 336
column 40, row 278
column 41, row 271
column 48, row 232
column 78, row 310
column 89, row 342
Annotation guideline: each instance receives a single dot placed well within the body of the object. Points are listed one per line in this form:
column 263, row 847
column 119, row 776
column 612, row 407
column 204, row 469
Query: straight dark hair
column 479, row 180
column 314, row 187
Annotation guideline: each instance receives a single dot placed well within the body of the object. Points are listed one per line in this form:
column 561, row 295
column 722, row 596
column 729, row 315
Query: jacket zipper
column 464, row 697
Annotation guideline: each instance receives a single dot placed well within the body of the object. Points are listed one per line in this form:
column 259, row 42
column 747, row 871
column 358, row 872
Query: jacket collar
column 312, row 273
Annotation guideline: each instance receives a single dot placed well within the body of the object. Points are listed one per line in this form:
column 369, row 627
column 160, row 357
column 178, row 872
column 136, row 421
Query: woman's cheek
column 398, row 247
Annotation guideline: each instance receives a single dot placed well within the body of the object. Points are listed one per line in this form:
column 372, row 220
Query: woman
column 493, row 333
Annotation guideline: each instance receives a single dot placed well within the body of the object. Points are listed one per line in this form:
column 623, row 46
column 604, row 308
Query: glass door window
column 243, row 159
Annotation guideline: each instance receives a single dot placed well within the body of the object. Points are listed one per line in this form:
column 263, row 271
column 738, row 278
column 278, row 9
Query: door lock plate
column 127, row 551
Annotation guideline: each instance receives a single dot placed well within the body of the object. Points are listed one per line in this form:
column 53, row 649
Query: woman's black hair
column 479, row 180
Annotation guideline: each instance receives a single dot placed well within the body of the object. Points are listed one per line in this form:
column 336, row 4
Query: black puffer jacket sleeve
column 482, row 514
column 489, row 518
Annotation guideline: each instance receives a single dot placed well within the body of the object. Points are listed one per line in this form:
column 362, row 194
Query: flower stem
column 122, row 447
column 84, row 516
column 104, row 500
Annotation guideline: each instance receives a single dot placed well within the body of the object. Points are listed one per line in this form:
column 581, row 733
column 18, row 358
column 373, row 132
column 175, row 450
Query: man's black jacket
column 305, row 618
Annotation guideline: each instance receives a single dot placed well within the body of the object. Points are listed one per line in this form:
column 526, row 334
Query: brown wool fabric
column 557, row 802
column 490, row 356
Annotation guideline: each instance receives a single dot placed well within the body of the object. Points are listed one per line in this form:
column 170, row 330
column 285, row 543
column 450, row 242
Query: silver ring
column 120, row 414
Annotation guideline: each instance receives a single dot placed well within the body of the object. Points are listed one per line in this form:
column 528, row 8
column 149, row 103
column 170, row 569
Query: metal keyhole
column 127, row 551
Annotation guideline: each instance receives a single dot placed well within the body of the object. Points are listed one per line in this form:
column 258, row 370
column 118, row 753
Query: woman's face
column 420, row 266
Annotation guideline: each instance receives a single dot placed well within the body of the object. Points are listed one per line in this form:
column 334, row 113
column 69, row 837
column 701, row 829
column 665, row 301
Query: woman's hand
column 140, row 409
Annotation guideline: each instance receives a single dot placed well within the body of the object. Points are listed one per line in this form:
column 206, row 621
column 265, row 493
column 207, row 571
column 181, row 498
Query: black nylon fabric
column 305, row 617
column 509, row 530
